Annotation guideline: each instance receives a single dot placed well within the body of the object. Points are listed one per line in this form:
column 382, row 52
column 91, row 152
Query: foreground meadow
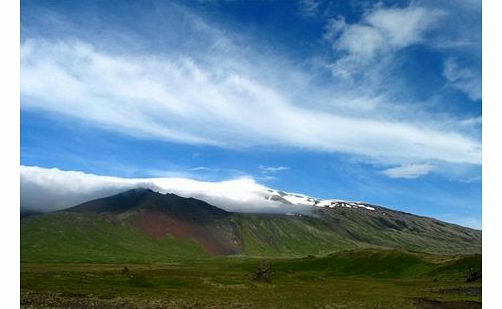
column 349, row 279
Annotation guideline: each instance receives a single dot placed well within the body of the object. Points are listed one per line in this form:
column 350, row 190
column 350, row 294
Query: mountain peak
column 146, row 199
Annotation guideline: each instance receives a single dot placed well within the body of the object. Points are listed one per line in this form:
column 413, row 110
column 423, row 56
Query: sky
column 357, row 100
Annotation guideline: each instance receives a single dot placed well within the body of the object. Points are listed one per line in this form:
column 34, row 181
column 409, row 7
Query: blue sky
column 374, row 101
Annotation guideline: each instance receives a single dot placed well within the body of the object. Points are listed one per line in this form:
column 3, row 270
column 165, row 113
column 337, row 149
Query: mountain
column 160, row 214
column 142, row 225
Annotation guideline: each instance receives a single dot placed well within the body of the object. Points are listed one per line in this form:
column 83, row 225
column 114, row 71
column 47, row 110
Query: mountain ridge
column 188, row 222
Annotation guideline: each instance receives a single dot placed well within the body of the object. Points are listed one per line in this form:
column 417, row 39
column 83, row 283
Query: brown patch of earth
column 467, row 291
column 423, row 303
column 211, row 238
column 36, row 300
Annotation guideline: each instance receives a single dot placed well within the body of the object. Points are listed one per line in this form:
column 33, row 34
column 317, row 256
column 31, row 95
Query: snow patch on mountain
column 301, row 199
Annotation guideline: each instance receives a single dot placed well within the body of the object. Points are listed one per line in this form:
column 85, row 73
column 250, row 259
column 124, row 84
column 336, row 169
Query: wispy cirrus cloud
column 232, row 97
column 408, row 171
column 272, row 169
column 463, row 78
column 308, row 8
column 181, row 100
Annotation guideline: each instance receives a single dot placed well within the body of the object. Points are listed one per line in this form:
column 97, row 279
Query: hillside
column 144, row 226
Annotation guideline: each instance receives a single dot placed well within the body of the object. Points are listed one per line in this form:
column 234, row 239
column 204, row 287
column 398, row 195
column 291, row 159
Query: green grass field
column 367, row 278
column 75, row 260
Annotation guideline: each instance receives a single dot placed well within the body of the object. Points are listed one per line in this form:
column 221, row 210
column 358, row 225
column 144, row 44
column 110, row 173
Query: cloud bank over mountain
column 53, row 189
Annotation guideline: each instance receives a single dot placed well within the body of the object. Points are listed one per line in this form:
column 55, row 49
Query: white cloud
column 184, row 100
column 463, row 79
column 367, row 49
column 54, row 189
column 272, row 169
column 201, row 168
column 408, row 171
column 267, row 178
column 380, row 33
column 473, row 121
column 403, row 27
column 361, row 40
column 308, row 7
column 334, row 27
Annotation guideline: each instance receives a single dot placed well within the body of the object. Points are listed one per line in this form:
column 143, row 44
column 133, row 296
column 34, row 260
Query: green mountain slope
column 79, row 238
column 332, row 229
column 145, row 226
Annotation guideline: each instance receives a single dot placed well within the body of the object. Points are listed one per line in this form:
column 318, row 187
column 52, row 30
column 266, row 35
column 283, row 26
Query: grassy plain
column 366, row 278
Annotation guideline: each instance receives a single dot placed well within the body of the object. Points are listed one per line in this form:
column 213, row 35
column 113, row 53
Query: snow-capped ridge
column 305, row 200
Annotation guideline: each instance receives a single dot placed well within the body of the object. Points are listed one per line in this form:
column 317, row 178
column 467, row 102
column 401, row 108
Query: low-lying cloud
column 48, row 189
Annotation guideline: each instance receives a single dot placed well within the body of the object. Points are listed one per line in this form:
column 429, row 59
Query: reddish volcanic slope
column 161, row 214
column 216, row 237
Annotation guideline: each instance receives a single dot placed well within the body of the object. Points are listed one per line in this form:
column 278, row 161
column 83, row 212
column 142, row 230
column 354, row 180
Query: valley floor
column 355, row 279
